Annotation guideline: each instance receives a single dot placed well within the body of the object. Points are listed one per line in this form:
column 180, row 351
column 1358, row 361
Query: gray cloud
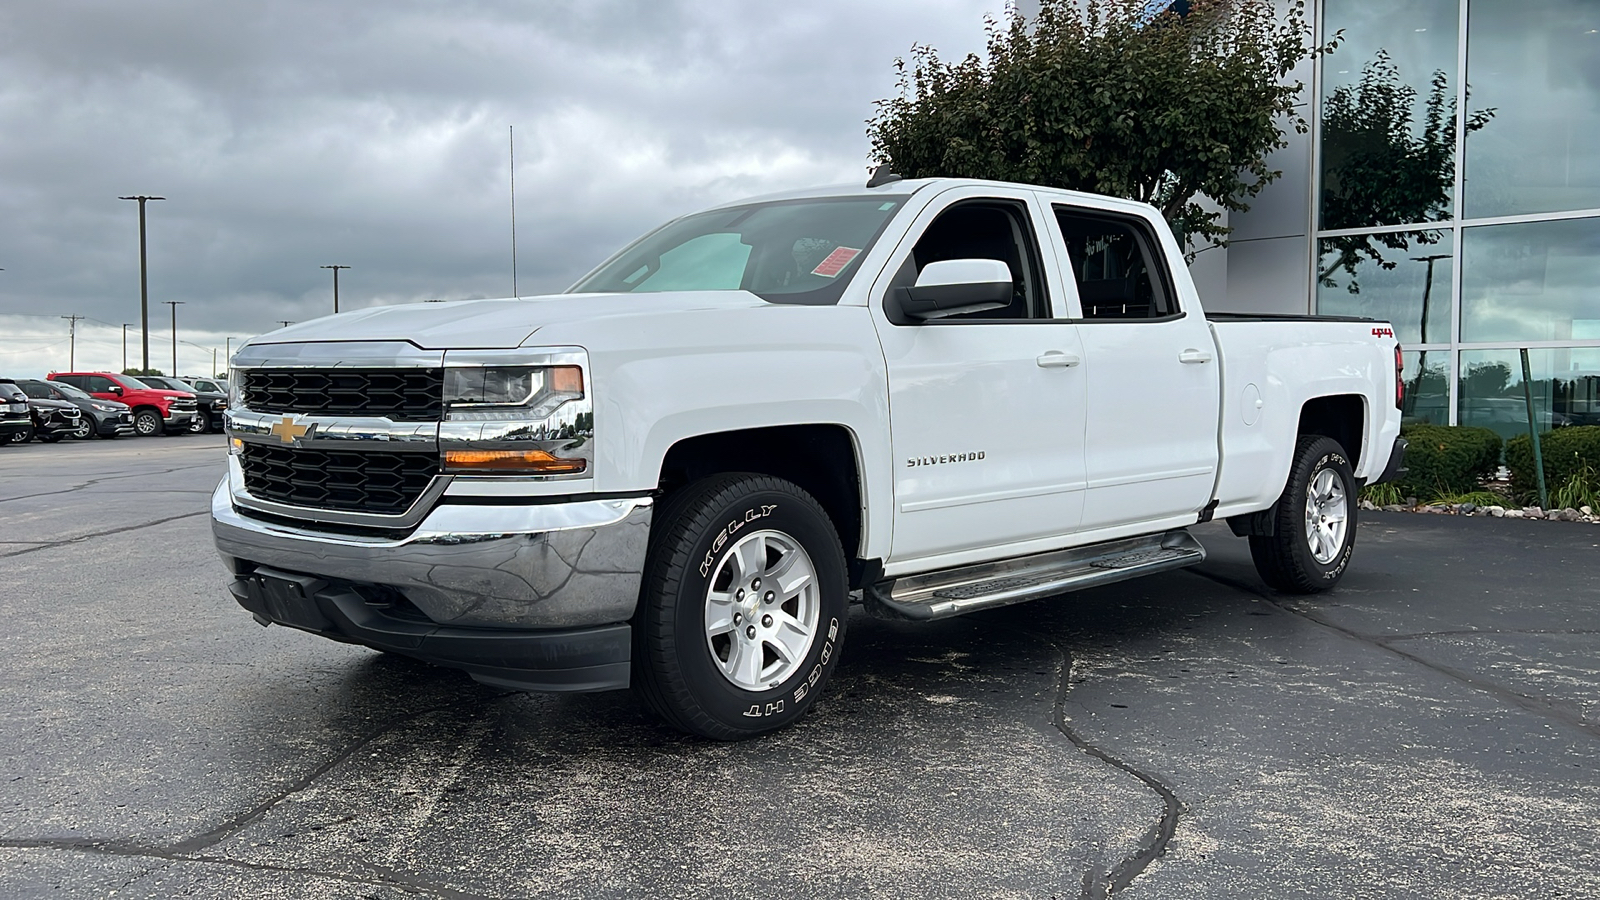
column 292, row 134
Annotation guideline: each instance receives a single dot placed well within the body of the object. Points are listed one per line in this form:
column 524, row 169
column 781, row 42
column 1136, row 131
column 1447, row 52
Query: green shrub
column 1571, row 462
column 1447, row 460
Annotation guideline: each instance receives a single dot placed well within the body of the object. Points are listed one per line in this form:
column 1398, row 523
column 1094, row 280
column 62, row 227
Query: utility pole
column 335, row 284
column 144, row 278
column 174, row 304
column 285, row 322
column 512, row 133
column 72, row 341
column 125, row 345
column 227, row 356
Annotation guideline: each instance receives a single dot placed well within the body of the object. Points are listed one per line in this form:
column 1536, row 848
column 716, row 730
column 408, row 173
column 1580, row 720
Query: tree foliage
column 1379, row 170
column 1101, row 96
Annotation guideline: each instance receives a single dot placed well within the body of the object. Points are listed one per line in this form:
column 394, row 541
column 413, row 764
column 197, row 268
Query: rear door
column 1150, row 367
column 986, row 409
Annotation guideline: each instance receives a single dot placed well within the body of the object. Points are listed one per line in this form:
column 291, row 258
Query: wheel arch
column 824, row 459
column 1341, row 417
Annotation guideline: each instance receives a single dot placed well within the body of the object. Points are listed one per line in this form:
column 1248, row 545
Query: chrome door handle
column 1055, row 359
column 1194, row 356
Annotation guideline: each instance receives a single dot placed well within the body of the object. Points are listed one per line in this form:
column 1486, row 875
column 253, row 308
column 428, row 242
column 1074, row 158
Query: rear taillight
column 1399, row 382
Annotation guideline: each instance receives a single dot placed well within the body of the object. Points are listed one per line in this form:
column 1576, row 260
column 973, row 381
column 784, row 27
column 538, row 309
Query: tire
column 147, row 423
column 200, row 424
column 702, row 659
column 85, row 430
column 1314, row 522
column 23, row 436
column 54, row 438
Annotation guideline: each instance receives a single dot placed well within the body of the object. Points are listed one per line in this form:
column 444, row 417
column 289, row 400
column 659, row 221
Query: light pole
column 72, row 341
column 125, row 345
column 227, row 356
column 335, row 284
column 144, row 278
column 174, row 304
column 284, row 322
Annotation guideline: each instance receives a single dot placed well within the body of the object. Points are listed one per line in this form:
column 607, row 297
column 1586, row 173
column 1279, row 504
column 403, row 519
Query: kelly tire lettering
column 675, row 672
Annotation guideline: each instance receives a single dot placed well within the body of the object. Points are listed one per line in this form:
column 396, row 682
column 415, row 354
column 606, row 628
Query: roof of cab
column 909, row 186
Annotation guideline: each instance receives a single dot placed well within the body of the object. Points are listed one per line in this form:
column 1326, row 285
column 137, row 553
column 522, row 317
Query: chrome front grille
column 369, row 481
column 404, row 395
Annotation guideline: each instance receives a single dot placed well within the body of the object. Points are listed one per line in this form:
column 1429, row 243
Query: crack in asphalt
column 1098, row 885
column 96, row 481
column 192, row 849
column 99, row 534
column 1540, row 706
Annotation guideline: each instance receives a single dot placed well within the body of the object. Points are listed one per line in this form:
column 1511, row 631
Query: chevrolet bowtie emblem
column 289, row 430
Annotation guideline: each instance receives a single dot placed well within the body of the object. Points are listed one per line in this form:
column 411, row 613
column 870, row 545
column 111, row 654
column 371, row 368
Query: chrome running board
column 951, row 592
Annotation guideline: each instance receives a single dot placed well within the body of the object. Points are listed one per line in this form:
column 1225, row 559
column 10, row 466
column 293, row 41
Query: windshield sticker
column 835, row 262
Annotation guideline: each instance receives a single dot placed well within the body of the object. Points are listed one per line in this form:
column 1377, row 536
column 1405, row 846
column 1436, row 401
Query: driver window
column 989, row 229
column 99, row 384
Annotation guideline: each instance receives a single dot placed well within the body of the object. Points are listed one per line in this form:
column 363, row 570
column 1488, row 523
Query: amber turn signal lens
column 534, row 462
column 566, row 380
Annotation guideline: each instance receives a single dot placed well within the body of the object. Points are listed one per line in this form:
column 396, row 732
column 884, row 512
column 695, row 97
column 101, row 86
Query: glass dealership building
column 1450, row 184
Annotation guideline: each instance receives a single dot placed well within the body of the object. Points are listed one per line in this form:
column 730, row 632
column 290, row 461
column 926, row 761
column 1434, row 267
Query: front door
column 986, row 409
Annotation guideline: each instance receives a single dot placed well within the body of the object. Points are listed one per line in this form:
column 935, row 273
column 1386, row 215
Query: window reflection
column 1535, row 63
column 1426, row 376
column 1402, row 278
column 1537, row 281
column 1388, row 113
column 1565, row 386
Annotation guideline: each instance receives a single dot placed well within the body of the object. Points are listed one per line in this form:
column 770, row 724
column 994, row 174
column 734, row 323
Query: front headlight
column 509, row 394
column 518, row 419
column 104, row 407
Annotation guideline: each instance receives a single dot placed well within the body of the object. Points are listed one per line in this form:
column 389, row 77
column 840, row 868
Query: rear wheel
column 147, row 422
column 743, row 608
column 1314, row 522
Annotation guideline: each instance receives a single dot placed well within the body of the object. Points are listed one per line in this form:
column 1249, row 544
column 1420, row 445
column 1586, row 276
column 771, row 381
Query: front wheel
column 1314, row 522
column 743, row 608
column 23, row 436
column 84, row 431
column 147, row 423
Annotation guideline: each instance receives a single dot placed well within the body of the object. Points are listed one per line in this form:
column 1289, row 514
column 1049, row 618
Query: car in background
column 16, row 420
column 215, row 385
column 211, row 404
column 102, row 418
column 53, row 419
column 155, row 410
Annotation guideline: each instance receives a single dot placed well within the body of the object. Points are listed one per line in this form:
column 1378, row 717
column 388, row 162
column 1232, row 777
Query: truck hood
column 494, row 324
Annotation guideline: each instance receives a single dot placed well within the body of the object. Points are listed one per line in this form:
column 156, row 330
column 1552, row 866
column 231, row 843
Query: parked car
column 211, row 404
column 103, row 418
column 155, row 410
column 53, row 419
column 214, row 385
column 950, row 395
column 16, row 420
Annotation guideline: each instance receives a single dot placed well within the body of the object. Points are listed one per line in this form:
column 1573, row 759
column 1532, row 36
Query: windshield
column 68, row 390
column 791, row 251
column 133, row 384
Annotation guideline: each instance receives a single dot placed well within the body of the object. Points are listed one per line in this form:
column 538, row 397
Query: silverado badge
column 289, row 430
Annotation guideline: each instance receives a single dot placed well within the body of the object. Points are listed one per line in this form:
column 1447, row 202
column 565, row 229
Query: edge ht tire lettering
column 743, row 607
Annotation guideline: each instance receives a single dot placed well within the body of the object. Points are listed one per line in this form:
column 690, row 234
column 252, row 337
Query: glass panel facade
column 1388, row 113
column 1426, row 376
column 1536, row 64
column 1402, row 277
column 1535, row 281
column 1565, row 383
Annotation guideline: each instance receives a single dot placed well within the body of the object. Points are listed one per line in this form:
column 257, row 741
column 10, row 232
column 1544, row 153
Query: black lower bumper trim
column 1396, row 469
column 580, row 659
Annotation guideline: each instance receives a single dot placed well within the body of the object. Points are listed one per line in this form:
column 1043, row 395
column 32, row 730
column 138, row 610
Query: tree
column 1377, row 171
column 1101, row 96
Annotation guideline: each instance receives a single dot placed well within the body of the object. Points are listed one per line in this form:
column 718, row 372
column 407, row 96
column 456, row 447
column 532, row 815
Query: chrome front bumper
column 533, row 566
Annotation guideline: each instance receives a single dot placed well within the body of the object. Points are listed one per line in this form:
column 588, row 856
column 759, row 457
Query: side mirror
column 116, row 389
column 954, row 286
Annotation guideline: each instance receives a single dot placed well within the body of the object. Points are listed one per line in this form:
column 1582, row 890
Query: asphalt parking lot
column 1432, row 729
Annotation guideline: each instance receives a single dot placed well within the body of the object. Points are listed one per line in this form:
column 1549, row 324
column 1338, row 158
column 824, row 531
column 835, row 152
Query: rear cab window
column 1116, row 266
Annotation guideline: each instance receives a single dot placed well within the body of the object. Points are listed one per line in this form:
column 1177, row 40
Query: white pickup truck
column 945, row 394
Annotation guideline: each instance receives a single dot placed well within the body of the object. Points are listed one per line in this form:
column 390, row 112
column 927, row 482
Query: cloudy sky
column 293, row 134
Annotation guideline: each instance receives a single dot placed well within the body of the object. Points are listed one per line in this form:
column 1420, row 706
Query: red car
column 155, row 410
